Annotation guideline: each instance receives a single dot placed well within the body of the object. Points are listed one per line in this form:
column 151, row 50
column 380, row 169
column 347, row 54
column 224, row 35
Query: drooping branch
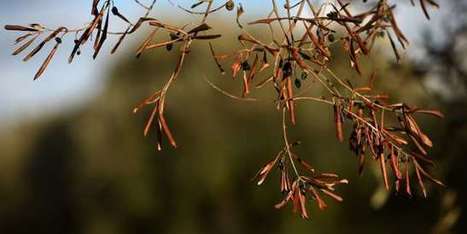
column 297, row 53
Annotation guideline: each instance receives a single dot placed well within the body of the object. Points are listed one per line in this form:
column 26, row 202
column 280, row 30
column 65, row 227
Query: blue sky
column 66, row 86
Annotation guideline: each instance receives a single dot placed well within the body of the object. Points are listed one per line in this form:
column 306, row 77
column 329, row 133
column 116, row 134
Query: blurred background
column 73, row 158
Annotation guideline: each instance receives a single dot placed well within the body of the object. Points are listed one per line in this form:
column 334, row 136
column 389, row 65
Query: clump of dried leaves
column 301, row 33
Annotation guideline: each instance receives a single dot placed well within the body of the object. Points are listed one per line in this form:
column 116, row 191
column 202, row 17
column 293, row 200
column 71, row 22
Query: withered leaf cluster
column 296, row 55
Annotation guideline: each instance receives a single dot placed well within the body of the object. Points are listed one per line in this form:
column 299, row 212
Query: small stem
column 357, row 93
column 276, row 12
column 314, row 99
column 287, row 145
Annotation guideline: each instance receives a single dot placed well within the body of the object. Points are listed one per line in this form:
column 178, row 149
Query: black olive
column 246, row 66
column 304, row 55
column 287, row 69
column 230, row 5
column 381, row 34
column 298, row 83
column 58, row 40
column 332, row 15
column 114, row 10
column 169, row 47
column 331, row 37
